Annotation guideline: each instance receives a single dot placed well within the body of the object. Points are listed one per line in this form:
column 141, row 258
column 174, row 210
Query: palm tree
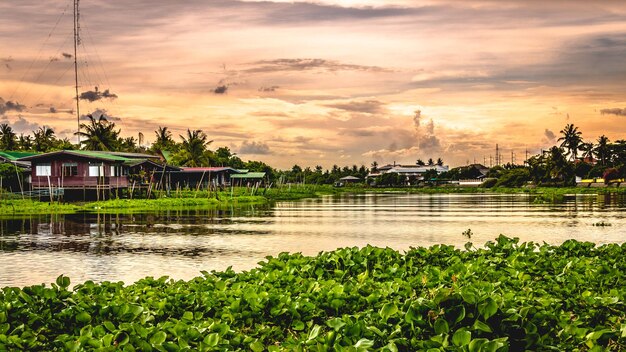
column 163, row 140
column 44, row 139
column 374, row 167
column 571, row 140
column 439, row 161
column 430, row 162
column 99, row 134
column 420, row 162
column 193, row 148
column 603, row 150
column 587, row 149
column 8, row 139
column 25, row 142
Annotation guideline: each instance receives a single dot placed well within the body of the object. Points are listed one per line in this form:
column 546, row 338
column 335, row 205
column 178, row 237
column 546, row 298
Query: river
column 126, row 247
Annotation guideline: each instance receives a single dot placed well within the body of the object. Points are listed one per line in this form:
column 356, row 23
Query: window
column 113, row 173
column 70, row 169
column 96, row 170
column 43, row 169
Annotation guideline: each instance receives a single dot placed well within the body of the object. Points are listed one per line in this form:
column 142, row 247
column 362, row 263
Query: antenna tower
column 76, row 43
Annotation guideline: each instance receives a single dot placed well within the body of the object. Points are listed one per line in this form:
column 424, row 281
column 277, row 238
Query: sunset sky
column 325, row 82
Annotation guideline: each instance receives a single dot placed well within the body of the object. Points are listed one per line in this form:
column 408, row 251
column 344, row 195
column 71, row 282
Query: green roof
column 249, row 175
column 12, row 155
column 83, row 153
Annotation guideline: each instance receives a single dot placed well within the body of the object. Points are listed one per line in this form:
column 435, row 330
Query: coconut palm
column 99, row 134
column 25, row 142
column 44, row 139
column 571, row 140
column 603, row 150
column 193, row 148
column 8, row 139
column 587, row 149
column 163, row 140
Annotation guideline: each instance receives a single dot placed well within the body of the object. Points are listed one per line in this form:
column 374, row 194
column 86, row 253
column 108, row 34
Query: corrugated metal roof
column 207, row 169
column 13, row 155
column 248, row 175
column 81, row 153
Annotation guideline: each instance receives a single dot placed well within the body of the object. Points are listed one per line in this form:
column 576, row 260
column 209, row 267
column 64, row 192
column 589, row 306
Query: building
column 201, row 177
column 84, row 171
column 408, row 170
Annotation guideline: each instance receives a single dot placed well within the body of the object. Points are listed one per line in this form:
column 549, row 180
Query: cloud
column 253, row 147
column 220, row 89
column 67, row 56
column 300, row 64
column 614, row 111
column 53, row 110
column 268, row 89
column 367, row 106
column 93, row 95
column 100, row 112
column 6, row 106
column 549, row 135
column 21, row 125
column 417, row 119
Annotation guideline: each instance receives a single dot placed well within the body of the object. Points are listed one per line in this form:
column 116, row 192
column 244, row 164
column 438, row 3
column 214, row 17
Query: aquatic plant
column 507, row 296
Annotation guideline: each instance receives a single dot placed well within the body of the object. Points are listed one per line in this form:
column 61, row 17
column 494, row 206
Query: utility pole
column 76, row 43
column 497, row 155
column 512, row 157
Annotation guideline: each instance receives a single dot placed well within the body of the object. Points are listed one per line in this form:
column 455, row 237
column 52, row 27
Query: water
column 179, row 244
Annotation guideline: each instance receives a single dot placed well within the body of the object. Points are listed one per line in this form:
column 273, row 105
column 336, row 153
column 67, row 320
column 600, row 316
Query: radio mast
column 76, row 43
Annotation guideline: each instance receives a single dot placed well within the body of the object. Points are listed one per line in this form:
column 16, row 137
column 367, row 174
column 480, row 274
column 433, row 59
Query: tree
column 163, row 140
column 99, row 134
column 431, row 162
column 420, row 162
column 374, row 167
column 439, row 162
column 192, row 149
column 559, row 168
column 25, row 142
column 602, row 150
column 44, row 139
column 587, row 149
column 8, row 138
column 571, row 140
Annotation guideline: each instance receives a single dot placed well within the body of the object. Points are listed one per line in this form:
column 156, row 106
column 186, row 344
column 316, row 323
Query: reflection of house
column 408, row 170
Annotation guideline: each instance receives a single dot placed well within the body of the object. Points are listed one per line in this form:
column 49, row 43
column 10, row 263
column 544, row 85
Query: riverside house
column 87, row 171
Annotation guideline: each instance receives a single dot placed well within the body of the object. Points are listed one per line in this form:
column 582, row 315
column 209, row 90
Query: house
column 201, row 177
column 245, row 177
column 77, row 171
column 17, row 181
column 408, row 170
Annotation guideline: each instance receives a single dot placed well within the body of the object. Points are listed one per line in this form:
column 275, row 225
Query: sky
column 324, row 82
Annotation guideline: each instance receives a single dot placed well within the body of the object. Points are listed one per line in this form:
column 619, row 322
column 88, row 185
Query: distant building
column 408, row 170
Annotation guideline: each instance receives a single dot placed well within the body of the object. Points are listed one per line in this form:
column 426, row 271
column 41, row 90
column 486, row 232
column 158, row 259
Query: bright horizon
column 325, row 82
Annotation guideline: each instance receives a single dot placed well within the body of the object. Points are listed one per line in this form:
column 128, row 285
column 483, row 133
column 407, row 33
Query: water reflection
column 35, row 249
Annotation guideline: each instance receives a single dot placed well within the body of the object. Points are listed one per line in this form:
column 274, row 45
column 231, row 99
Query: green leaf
column 476, row 344
column 461, row 338
column 257, row 346
column 364, row 344
column 83, row 317
column 158, row 338
column 335, row 323
column 387, row 310
column 488, row 308
column 63, row 281
column 314, row 333
column 441, row 326
column 212, row 339
column 297, row 325
column 479, row 325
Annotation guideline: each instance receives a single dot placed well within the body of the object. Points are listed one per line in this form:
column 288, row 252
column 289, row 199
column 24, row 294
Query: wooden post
column 50, row 189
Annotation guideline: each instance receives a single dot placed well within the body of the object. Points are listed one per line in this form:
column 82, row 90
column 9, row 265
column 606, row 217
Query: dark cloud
column 220, row 89
column 549, row 135
column 614, row 111
column 253, row 147
column 6, row 106
column 429, row 143
column 53, row 110
column 298, row 65
column 93, row 95
column 367, row 106
column 268, row 89
column 67, row 56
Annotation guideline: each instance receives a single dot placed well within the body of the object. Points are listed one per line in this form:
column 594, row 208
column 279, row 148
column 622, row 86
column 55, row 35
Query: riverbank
column 507, row 295
column 244, row 196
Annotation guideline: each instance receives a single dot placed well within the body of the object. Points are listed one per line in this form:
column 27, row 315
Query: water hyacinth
column 507, row 296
